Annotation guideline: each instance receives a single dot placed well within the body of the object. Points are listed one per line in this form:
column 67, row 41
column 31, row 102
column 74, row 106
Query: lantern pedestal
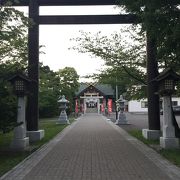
column 121, row 119
column 35, row 135
column 151, row 134
column 63, row 119
column 168, row 140
column 169, row 143
column 20, row 141
column 20, row 144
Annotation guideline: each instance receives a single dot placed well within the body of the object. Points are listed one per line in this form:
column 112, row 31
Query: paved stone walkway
column 93, row 148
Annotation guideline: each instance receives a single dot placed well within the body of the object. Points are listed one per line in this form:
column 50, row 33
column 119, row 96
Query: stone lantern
column 20, row 86
column 63, row 119
column 120, row 103
column 167, row 80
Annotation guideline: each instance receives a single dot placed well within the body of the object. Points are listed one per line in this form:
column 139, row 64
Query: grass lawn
column 172, row 155
column 138, row 135
column 8, row 158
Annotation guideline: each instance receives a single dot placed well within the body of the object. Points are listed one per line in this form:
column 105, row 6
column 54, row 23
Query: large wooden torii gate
column 33, row 50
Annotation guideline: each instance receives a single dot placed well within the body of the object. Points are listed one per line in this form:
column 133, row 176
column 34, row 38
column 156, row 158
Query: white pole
column 116, row 99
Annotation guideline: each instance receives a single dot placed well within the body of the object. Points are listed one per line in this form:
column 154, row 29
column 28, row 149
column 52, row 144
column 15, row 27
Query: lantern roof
column 166, row 74
column 19, row 76
column 63, row 100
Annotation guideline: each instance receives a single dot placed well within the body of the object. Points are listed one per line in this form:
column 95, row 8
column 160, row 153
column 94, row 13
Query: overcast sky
column 56, row 39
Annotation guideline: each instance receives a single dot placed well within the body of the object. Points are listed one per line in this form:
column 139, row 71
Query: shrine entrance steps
column 91, row 110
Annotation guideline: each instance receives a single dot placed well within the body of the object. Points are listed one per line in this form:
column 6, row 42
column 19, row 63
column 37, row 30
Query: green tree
column 8, row 115
column 129, row 87
column 162, row 20
column 124, row 61
column 49, row 92
column 13, row 35
column 13, row 58
column 68, row 84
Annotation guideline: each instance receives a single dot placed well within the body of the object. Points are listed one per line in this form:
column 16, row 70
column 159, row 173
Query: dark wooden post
column 33, row 67
column 152, row 88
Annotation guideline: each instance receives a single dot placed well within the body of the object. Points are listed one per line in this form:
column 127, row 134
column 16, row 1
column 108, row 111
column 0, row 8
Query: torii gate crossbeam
column 88, row 19
column 64, row 2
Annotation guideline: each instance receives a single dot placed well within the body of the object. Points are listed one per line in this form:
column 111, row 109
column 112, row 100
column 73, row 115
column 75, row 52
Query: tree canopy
column 125, row 61
column 54, row 84
column 68, row 84
column 13, row 35
column 13, row 58
column 128, row 54
column 49, row 91
column 162, row 20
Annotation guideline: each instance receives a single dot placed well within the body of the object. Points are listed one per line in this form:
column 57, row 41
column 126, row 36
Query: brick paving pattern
column 94, row 149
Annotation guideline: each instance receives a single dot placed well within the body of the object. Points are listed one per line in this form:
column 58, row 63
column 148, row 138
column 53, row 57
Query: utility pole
column 116, row 99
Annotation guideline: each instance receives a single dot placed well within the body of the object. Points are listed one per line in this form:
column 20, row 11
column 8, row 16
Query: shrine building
column 94, row 98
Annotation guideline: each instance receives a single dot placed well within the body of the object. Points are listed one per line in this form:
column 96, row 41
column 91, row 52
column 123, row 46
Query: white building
column 142, row 105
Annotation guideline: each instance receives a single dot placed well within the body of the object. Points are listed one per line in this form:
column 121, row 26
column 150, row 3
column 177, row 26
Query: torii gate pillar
column 33, row 72
column 153, row 99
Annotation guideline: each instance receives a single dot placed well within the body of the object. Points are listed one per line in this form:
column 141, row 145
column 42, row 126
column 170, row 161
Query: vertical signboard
column 76, row 106
column 102, row 107
column 109, row 105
